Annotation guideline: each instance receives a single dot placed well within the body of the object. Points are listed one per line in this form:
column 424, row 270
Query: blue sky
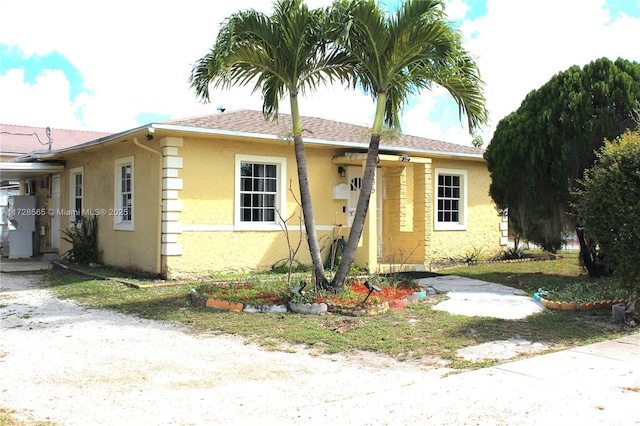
column 60, row 68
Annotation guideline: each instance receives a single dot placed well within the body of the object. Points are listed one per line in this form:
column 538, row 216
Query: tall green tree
column 282, row 54
column 608, row 208
column 538, row 151
column 393, row 57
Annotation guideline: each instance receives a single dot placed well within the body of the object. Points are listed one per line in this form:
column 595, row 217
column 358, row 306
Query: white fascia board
column 338, row 144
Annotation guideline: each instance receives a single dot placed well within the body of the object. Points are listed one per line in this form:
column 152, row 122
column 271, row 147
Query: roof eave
column 338, row 144
column 45, row 155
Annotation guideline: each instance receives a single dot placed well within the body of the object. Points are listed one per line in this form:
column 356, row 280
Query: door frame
column 55, row 218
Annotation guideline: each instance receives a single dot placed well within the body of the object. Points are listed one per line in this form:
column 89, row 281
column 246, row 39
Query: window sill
column 123, row 227
column 257, row 227
column 449, row 227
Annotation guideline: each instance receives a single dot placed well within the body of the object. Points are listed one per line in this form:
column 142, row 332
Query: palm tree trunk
column 305, row 196
column 363, row 200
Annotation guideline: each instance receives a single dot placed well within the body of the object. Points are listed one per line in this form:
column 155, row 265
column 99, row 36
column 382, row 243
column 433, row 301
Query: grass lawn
column 417, row 332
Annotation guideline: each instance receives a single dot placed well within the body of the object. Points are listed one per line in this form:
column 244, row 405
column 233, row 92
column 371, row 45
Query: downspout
column 159, row 239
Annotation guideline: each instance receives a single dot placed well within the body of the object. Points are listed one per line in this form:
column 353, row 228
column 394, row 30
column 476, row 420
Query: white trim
column 198, row 130
column 170, row 194
column 169, row 238
column 72, row 191
column 169, row 162
column 170, row 150
column 170, row 216
column 172, row 206
column 119, row 223
column 172, row 141
column 461, row 225
column 174, row 184
column 171, row 249
column 281, row 197
column 208, row 228
column 231, row 228
column 312, row 141
column 169, row 173
column 56, row 193
column 172, row 227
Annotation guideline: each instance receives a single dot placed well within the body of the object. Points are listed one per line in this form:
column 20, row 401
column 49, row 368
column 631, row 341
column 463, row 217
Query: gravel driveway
column 73, row 366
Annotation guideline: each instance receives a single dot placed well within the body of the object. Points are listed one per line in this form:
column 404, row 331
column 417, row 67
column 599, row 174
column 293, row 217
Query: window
column 123, row 203
column 76, row 177
column 260, row 191
column 451, row 199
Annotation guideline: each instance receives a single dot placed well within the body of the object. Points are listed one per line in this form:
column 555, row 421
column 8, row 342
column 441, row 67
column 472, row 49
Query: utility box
column 341, row 192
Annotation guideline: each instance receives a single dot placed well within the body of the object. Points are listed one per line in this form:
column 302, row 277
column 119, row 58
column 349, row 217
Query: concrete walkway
column 471, row 297
column 23, row 265
column 597, row 384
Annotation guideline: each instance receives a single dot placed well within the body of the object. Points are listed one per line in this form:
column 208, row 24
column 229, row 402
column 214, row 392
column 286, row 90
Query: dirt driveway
column 73, row 366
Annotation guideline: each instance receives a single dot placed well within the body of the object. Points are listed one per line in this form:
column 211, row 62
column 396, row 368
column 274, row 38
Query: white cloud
column 456, row 9
column 521, row 45
column 42, row 103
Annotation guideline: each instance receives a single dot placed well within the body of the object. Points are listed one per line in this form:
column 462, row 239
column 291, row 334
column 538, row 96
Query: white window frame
column 461, row 225
column 76, row 171
column 119, row 223
column 281, row 204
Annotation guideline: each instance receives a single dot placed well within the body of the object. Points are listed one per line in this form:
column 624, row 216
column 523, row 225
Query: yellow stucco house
column 186, row 198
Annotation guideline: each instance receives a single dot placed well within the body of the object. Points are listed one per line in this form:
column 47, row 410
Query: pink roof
column 25, row 139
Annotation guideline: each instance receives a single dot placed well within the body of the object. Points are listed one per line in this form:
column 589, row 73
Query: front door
column 354, row 177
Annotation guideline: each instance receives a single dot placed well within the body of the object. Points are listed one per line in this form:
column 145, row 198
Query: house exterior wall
column 136, row 249
column 483, row 221
column 185, row 222
column 210, row 239
column 403, row 232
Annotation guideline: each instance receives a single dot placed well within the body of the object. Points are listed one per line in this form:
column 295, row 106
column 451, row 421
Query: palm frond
column 285, row 53
column 405, row 53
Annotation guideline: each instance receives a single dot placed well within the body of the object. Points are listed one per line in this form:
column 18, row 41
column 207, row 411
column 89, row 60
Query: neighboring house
column 16, row 141
column 190, row 197
column 19, row 140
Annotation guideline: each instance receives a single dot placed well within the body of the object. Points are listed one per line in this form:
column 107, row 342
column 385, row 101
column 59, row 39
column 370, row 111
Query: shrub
column 83, row 236
column 608, row 208
column 513, row 253
column 473, row 255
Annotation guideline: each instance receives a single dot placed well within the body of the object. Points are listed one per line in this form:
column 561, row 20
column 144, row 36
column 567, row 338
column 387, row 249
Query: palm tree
column 393, row 57
column 285, row 53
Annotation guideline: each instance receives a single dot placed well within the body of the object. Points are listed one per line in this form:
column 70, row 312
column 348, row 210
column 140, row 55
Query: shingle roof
column 247, row 121
column 25, row 139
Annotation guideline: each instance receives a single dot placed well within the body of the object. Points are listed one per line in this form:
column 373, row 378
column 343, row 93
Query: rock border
column 571, row 306
column 308, row 308
column 203, row 302
column 304, row 308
